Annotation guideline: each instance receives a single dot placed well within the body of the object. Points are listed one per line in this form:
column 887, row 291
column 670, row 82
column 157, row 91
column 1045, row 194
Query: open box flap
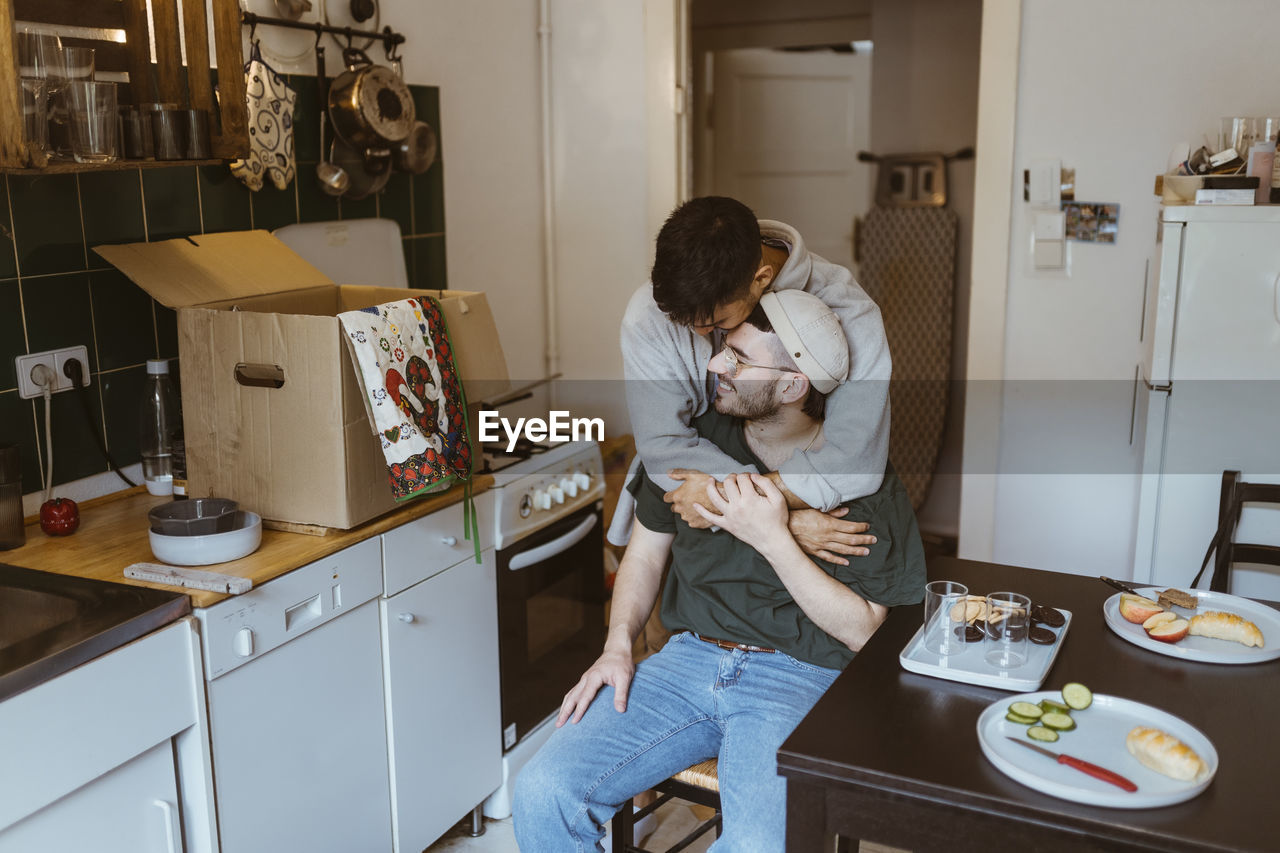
column 204, row 268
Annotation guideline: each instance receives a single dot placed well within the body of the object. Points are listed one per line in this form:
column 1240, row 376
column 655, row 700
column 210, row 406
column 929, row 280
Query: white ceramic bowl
column 211, row 547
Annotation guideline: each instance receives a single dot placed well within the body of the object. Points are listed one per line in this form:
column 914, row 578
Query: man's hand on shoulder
column 692, row 492
column 614, row 668
column 751, row 508
column 826, row 536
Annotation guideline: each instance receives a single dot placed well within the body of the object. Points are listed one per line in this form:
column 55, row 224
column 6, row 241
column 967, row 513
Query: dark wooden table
column 892, row 757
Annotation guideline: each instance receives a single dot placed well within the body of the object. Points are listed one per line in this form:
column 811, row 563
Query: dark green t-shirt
column 720, row 587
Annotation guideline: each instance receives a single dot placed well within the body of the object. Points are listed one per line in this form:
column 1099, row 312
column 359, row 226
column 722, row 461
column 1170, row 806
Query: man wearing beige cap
column 760, row 628
column 713, row 259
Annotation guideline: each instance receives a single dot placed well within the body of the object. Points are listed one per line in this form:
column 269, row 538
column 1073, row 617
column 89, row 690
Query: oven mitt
column 412, row 393
column 270, row 107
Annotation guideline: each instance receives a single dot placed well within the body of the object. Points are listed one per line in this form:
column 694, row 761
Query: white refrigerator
column 1207, row 396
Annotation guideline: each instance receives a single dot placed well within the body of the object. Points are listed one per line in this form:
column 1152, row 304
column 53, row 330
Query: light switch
column 1045, row 183
column 1049, row 254
column 1050, row 226
column 1048, row 240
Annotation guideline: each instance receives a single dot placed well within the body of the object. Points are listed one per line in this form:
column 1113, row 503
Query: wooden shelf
column 168, row 81
column 63, row 167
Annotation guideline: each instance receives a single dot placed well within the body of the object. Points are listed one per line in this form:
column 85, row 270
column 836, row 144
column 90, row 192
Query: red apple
column 1159, row 619
column 59, row 517
column 1137, row 609
column 1170, row 632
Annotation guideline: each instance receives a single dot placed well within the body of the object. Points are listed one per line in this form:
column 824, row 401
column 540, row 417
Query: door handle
column 558, row 545
column 1275, row 294
column 170, row 825
column 1133, row 404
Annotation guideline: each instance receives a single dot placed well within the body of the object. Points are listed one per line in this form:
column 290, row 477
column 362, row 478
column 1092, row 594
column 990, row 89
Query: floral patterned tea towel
column 412, row 393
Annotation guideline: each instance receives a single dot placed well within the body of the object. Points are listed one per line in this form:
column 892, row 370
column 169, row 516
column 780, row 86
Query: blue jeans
column 690, row 702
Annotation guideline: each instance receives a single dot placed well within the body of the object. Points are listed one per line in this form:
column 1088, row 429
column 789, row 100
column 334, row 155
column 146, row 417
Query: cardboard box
column 273, row 413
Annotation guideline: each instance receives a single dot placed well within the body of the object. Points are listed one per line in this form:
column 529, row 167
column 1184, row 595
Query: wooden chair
column 697, row 784
column 1235, row 494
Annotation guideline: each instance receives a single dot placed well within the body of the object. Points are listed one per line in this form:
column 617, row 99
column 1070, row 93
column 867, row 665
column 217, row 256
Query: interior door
column 787, row 129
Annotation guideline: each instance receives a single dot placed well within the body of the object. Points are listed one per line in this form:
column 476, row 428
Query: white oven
column 548, row 532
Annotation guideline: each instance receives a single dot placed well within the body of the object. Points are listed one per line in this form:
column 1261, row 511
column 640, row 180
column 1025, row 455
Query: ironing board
column 907, row 248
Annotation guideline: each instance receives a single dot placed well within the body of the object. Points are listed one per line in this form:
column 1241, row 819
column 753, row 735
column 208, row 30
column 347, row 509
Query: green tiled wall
column 55, row 292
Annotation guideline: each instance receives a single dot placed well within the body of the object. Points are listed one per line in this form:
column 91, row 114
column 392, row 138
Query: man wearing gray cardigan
column 713, row 261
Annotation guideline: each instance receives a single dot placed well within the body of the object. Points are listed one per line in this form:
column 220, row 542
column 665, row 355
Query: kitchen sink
column 51, row 623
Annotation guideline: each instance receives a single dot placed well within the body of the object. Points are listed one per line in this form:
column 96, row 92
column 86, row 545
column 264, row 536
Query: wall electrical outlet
column 56, row 360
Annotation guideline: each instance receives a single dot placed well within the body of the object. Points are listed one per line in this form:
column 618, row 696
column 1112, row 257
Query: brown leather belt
column 728, row 646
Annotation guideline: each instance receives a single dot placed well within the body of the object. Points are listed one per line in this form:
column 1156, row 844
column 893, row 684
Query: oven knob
column 569, row 487
column 526, row 506
column 541, row 500
column 557, row 494
column 243, row 643
column 581, row 479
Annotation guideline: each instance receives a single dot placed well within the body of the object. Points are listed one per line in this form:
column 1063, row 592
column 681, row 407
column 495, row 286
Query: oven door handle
column 558, row 545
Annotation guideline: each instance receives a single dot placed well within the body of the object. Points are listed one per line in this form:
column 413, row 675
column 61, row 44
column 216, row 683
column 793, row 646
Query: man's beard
column 752, row 401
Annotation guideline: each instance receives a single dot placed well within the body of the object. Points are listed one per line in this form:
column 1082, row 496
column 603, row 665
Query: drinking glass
column 940, row 598
column 1237, row 133
column 93, row 121
column 75, row 64
column 1267, row 128
column 35, row 113
column 39, row 54
column 1008, row 618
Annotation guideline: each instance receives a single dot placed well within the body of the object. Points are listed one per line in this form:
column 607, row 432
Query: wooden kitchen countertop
column 113, row 535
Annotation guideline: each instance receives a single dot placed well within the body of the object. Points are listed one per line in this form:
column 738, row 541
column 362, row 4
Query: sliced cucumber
column 1042, row 733
column 1026, row 709
column 1059, row 721
column 1051, row 705
column 1018, row 718
column 1077, row 696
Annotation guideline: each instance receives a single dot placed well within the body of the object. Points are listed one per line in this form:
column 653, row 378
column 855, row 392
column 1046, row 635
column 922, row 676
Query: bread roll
column 1165, row 754
column 1226, row 626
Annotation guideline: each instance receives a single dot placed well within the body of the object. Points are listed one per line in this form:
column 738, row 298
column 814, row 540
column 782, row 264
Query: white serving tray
column 971, row 667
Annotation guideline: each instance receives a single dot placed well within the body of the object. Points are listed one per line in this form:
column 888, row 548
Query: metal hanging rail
column 389, row 37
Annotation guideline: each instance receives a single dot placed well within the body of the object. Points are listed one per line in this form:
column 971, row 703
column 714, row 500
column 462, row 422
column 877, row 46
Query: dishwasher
column 297, row 720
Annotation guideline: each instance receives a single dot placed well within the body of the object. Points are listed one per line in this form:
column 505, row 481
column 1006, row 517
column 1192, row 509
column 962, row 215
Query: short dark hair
column 706, row 255
column 815, row 403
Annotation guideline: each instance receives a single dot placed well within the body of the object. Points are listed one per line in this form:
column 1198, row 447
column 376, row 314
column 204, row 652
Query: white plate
column 286, row 50
column 1099, row 738
column 970, row 665
column 1203, row 649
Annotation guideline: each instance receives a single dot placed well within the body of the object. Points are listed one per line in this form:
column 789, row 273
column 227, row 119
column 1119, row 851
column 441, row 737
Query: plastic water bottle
column 161, row 431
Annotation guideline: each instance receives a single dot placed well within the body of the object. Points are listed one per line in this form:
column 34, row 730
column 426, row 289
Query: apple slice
column 1170, row 632
column 1137, row 609
column 1159, row 619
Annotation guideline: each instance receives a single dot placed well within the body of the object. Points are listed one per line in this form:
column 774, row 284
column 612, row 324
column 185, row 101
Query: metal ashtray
column 194, row 517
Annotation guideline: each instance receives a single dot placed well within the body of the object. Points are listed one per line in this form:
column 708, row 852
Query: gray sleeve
column 851, row 462
column 664, row 376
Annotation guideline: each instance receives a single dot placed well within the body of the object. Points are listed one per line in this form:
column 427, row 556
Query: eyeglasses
column 736, row 364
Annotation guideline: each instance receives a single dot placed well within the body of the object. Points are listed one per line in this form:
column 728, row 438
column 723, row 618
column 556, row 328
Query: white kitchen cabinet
column 93, row 759
column 132, row 809
column 440, row 647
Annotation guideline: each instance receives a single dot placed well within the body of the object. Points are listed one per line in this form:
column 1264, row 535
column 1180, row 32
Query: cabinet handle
column 405, row 617
column 170, row 824
column 449, row 540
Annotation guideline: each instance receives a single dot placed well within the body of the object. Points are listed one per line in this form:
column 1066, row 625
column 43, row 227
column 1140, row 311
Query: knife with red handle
column 1083, row 766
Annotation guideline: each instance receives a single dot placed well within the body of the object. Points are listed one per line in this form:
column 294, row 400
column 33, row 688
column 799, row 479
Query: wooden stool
column 697, row 784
